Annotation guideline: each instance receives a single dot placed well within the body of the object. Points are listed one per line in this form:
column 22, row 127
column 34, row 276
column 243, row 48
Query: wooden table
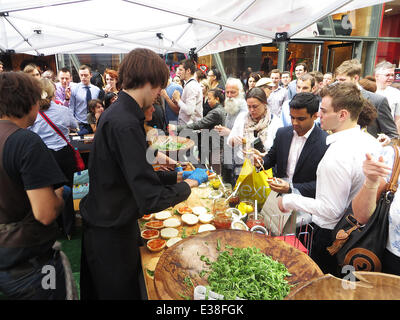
column 84, row 143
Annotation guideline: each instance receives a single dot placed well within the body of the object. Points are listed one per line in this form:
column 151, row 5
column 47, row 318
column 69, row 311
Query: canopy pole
column 22, row 36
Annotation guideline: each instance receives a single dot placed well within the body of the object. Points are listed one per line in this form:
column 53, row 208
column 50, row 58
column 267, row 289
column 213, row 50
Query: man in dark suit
column 298, row 149
column 350, row 71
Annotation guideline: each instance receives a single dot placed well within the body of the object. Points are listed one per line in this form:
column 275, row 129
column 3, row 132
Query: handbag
column 362, row 246
column 79, row 163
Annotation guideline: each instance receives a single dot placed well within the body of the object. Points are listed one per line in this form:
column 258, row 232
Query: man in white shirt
column 384, row 75
column 278, row 94
column 339, row 174
column 191, row 102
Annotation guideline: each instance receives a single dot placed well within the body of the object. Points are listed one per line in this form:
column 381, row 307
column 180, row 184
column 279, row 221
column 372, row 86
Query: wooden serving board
column 182, row 260
column 370, row 286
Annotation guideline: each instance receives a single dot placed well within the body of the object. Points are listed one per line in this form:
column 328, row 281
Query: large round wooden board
column 182, row 260
column 370, row 286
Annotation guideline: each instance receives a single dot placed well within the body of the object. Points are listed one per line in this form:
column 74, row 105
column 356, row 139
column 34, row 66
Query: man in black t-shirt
column 30, row 197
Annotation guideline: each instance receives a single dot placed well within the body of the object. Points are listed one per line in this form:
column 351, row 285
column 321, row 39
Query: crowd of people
column 325, row 136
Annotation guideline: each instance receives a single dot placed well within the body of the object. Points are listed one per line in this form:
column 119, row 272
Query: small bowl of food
column 216, row 194
column 235, row 213
column 239, row 225
column 215, row 184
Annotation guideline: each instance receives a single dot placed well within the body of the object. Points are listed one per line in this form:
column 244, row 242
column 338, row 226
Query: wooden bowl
column 182, row 260
column 188, row 143
column 370, row 286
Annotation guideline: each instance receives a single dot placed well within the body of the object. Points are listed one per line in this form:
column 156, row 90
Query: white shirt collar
column 344, row 134
column 305, row 136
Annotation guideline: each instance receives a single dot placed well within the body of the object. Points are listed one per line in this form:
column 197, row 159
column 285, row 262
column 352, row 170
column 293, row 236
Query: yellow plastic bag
column 253, row 184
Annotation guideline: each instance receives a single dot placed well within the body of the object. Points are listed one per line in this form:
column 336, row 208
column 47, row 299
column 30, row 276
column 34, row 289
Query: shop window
column 389, row 51
column 390, row 26
column 354, row 23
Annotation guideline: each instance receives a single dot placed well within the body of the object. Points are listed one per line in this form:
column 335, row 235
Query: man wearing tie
column 80, row 96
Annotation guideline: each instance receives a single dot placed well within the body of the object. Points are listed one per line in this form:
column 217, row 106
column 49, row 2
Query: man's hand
column 236, row 141
column 176, row 96
column 67, row 93
column 164, row 94
column 222, row 131
column 171, row 127
column 278, row 185
column 374, row 170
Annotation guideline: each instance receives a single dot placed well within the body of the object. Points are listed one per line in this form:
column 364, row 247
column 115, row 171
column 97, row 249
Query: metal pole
column 282, row 56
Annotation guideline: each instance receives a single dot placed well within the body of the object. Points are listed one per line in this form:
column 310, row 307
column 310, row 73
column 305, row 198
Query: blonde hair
column 350, row 68
column 48, row 92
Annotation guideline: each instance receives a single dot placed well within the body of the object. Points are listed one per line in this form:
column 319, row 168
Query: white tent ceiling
column 118, row 26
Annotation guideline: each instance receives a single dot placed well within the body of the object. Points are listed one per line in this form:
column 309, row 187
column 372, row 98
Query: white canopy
column 118, row 26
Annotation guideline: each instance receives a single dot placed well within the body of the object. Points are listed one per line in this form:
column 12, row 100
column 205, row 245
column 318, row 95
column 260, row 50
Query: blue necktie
column 88, row 96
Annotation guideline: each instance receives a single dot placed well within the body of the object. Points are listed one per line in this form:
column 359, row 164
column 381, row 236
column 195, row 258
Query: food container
column 259, row 229
column 219, row 206
column 252, row 221
column 239, row 225
column 215, row 194
column 236, row 214
column 234, row 201
column 223, row 220
column 215, row 184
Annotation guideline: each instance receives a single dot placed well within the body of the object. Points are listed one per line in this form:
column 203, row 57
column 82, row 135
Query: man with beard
column 234, row 105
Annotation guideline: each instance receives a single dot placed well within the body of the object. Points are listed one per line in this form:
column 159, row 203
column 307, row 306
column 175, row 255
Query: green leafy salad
column 247, row 273
column 169, row 146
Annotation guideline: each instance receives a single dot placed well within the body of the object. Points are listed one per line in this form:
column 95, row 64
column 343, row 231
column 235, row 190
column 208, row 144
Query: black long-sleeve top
column 123, row 184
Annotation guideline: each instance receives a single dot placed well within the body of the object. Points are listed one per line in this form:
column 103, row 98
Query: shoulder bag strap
column 393, row 183
column 55, row 128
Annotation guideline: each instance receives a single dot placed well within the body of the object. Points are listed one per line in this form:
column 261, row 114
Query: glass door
column 336, row 54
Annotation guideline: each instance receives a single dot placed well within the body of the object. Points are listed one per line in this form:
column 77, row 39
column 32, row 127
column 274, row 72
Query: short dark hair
column 107, row 99
column 302, row 64
column 345, row 96
column 141, row 66
column 305, row 100
column 189, row 64
column 18, row 93
column 84, row 66
column 258, row 94
column 65, row 70
column 218, row 93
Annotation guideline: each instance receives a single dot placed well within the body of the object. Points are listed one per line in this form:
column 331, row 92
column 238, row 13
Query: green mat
column 72, row 249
